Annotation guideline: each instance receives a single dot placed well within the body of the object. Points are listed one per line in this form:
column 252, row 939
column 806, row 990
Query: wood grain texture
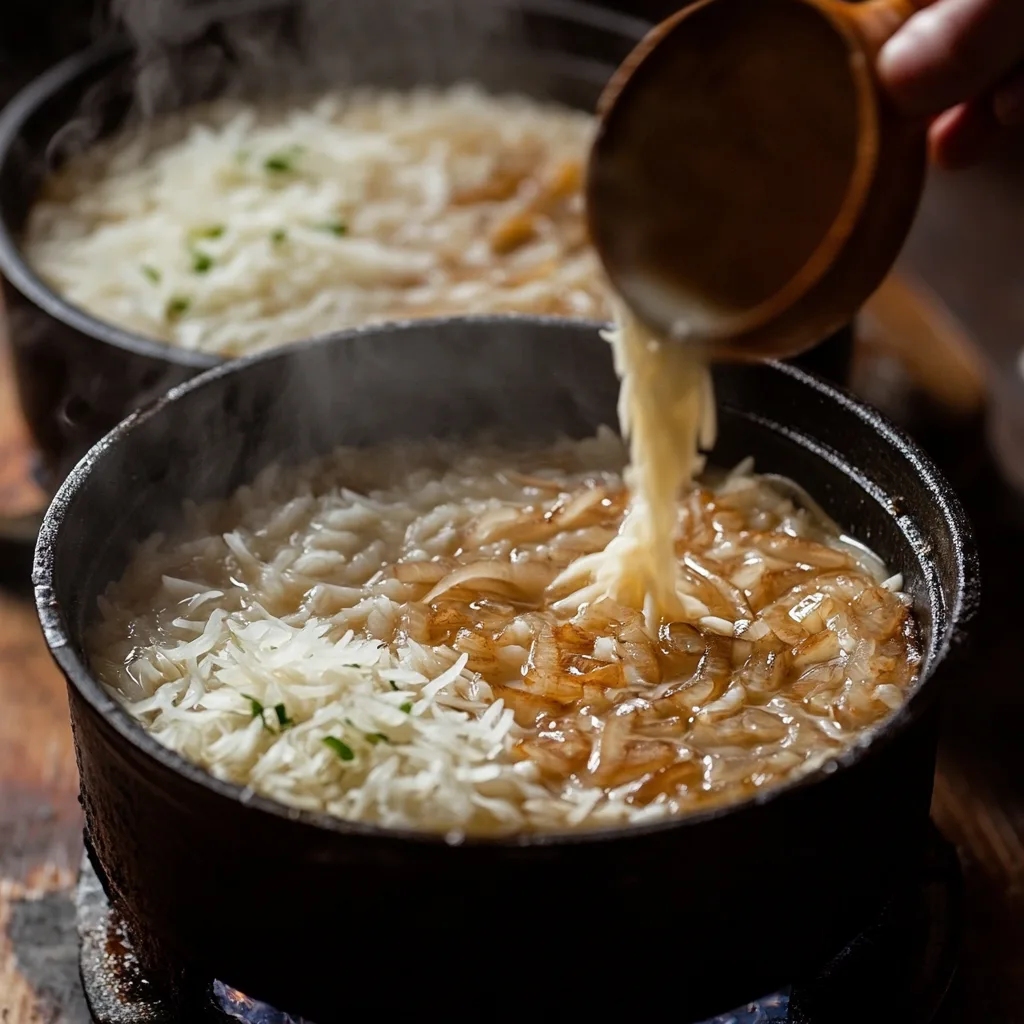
column 979, row 797
column 904, row 319
column 40, row 822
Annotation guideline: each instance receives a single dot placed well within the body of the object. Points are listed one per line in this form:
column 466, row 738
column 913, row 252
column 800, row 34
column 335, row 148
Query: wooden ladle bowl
column 750, row 185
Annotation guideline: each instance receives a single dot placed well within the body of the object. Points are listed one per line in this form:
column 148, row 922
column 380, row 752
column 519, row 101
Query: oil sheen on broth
column 487, row 639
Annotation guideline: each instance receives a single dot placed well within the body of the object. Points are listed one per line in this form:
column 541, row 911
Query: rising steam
column 190, row 48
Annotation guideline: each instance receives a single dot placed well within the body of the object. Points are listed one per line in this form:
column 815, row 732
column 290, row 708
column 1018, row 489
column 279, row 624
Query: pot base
column 900, row 969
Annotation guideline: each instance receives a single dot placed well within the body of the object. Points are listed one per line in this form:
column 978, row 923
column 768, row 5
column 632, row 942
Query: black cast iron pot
column 317, row 915
column 78, row 376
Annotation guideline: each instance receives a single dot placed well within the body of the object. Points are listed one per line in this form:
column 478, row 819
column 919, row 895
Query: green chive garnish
column 152, row 274
column 177, row 307
column 376, row 737
column 282, row 162
column 336, row 227
column 342, row 749
column 282, row 716
column 201, row 262
column 393, row 684
column 213, row 231
column 406, row 707
column 257, row 710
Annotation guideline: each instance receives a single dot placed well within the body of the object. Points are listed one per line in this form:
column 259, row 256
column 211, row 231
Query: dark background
column 36, row 33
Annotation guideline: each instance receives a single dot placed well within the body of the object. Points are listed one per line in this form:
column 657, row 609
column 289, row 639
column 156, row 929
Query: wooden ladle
column 750, row 185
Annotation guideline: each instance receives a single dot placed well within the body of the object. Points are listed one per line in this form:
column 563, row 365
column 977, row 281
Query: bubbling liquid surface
column 400, row 636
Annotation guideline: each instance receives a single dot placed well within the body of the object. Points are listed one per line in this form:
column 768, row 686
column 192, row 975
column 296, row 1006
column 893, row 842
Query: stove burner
column 900, row 969
column 237, row 1007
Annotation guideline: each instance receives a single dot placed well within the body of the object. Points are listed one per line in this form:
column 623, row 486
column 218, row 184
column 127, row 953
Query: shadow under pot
column 308, row 912
column 78, row 376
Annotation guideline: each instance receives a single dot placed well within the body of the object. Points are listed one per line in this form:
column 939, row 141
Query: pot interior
column 517, row 377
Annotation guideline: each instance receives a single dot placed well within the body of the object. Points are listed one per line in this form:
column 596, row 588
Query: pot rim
column 15, row 267
column 28, row 100
column 58, row 639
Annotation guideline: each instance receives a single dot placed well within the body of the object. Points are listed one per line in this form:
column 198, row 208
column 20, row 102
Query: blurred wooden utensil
column 749, row 186
column 904, row 320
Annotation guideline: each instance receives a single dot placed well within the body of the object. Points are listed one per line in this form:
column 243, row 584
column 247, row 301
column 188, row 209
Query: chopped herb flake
column 152, row 274
column 278, row 164
column 376, row 737
column 342, row 749
column 406, row 707
column 278, row 236
column 282, row 716
column 201, row 262
column 213, row 231
column 282, row 162
column 336, row 227
column 257, row 710
column 177, row 307
column 393, row 684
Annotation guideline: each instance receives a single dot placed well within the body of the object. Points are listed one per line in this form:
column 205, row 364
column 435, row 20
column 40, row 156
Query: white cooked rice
column 233, row 229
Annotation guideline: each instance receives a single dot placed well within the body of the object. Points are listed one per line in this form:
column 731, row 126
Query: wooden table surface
column 979, row 794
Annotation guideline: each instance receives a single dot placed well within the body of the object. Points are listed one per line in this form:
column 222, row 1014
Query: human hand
column 960, row 62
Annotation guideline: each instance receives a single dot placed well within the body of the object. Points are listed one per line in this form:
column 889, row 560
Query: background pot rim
column 14, row 267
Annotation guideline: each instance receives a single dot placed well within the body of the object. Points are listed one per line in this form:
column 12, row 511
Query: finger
column 1008, row 102
column 951, row 52
column 965, row 135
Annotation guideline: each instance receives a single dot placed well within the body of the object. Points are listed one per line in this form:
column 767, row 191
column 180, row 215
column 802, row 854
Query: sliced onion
column 570, row 639
column 559, row 756
column 669, row 780
column 728, row 704
column 878, row 613
column 610, row 752
column 556, row 686
column 642, row 757
column 733, row 597
column 799, row 551
column 481, row 651
column 609, row 675
column 421, row 572
column 511, row 524
column 445, row 619
column 579, row 510
column 822, row 646
column 526, row 576
column 528, row 708
column 774, row 585
column 415, row 622
column 765, row 669
column 543, row 673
